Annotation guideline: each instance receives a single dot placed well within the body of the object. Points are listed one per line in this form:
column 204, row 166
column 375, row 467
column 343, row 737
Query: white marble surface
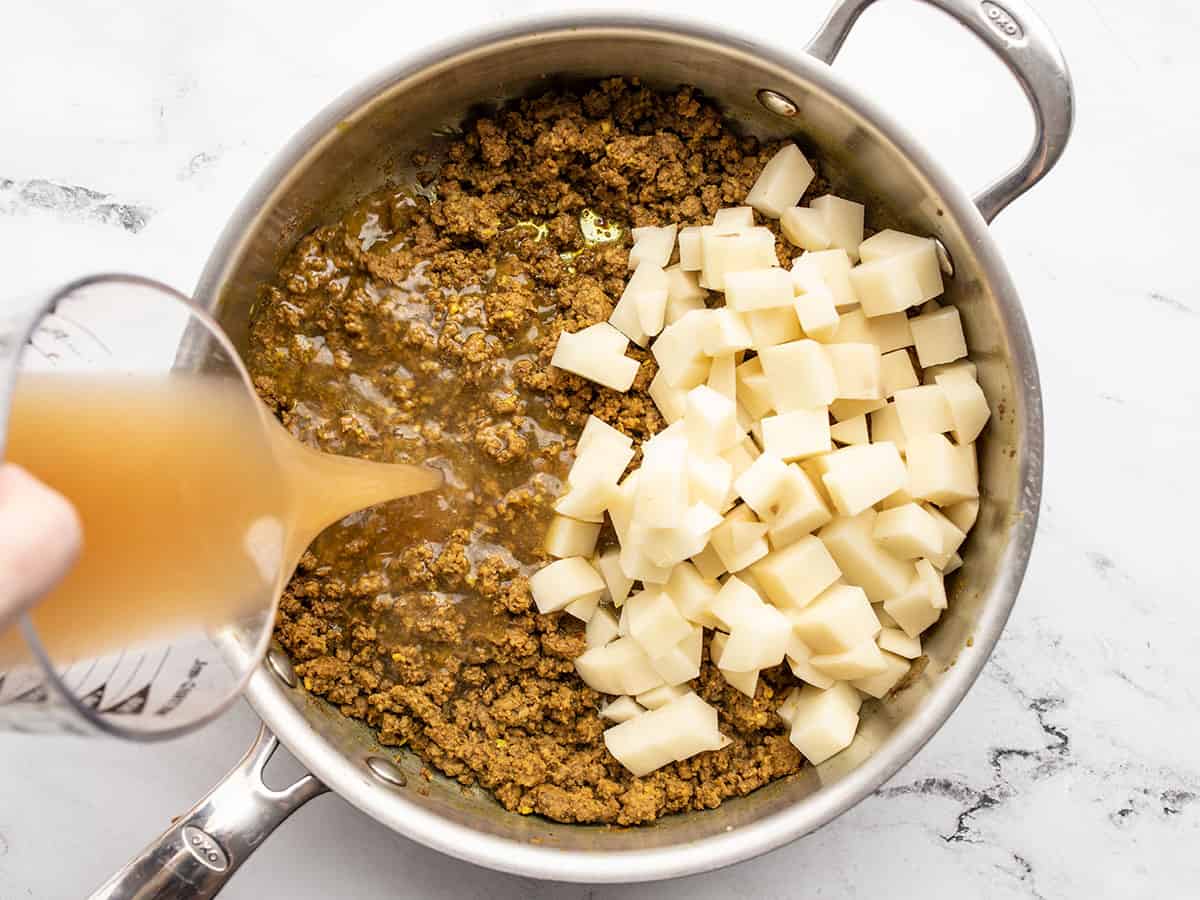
column 1070, row 771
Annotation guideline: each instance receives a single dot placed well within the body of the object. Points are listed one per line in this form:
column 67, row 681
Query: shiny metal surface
column 351, row 146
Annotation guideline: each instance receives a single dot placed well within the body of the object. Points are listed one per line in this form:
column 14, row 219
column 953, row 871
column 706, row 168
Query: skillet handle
column 194, row 858
column 1024, row 44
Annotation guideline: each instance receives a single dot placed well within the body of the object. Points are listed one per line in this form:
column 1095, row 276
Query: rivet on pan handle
column 1024, row 44
column 194, row 858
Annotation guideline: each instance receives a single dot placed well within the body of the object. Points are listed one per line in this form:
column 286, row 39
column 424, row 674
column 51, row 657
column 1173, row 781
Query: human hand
column 40, row 537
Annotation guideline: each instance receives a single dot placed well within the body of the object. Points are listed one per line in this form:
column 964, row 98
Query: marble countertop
column 129, row 131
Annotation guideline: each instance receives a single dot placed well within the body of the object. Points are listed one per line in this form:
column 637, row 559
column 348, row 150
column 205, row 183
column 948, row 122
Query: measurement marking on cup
column 205, row 848
column 1001, row 20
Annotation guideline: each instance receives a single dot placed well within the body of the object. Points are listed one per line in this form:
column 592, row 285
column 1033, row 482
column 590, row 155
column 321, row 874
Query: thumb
column 40, row 537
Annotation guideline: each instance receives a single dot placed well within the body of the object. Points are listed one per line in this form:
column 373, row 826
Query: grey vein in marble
column 71, row 201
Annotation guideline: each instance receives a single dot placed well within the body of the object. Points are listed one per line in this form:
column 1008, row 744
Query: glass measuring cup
column 130, row 401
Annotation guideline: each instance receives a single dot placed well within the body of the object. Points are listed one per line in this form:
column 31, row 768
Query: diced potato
column 913, row 608
column 708, row 563
column 585, row 607
column 733, row 219
column 601, row 628
column 797, row 434
column 898, row 271
column 690, row 258
column 661, row 696
column 740, row 539
column 620, row 667
column 963, row 514
column 621, row 710
column 570, row 537
column 725, row 332
column 709, row 480
column 751, row 249
column 817, row 313
column 736, row 600
column 793, row 575
column 881, row 683
column 671, row 401
column 890, row 332
column 805, row 228
column 668, row 546
column 899, row 498
column 563, row 582
column 923, row 410
column 781, row 183
column 762, row 485
column 885, row 427
column 938, row 337
column 962, row 367
column 932, row 583
column 800, row 375
column 968, row 406
column 693, row 594
column 930, row 306
column 896, row 372
column 652, row 245
column 863, row 562
column 859, row 477
column 861, row 661
column 843, row 409
column 884, row 619
column 753, row 389
column 679, row 350
column 662, row 491
column 681, row 663
column 940, row 472
column 587, row 500
column 600, row 456
column 831, row 266
column 757, row 640
column 599, row 435
column 742, row 456
column 769, row 327
column 626, row 319
column 908, row 532
column 747, row 681
column 684, row 293
column 856, row 369
column 950, row 537
column 839, row 619
column 843, row 221
column 953, row 564
column 684, row 727
column 710, row 421
column 722, row 376
column 787, row 709
column 823, row 721
column 894, row 640
column 852, row 431
column 853, row 328
column 598, row 354
column 798, row 656
column 764, row 288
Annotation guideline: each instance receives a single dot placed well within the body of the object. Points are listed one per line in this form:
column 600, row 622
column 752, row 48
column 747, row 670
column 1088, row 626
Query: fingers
column 40, row 537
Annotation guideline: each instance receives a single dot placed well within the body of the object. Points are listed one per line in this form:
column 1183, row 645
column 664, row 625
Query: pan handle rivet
column 775, row 102
column 386, row 770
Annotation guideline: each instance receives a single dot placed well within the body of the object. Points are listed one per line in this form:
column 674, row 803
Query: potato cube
column 661, row 696
column 621, row 710
column 823, row 721
column 963, row 514
column 853, row 328
column 907, row 532
column 950, row 537
column 894, row 640
column 859, row 477
column 679, row 350
column 781, row 183
column 968, row 406
column 932, row 583
column 733, row 219
column 587, row 500
column 626, row 317
column 923, row 410
column 798, row 656
column 953, row 564
column 740, row 539
column 838, row 619
column 570, row 537
column 890, row 332
column 742, row 456
column 793, row 575
column 747, row 250
column 884, row 619
column 601, row 628
column 754, row 289
column 681, row 663
column 598, row 434
column 769, row 327
column 563, row 582
column 861, row 661
column 862, row 561
column 753, row 389
column 757, row 640
column 708, row 563
column 856, row 370
column 670, row 400
column 693, row 594
column 596, row 353
column 843, row 409
column 746, row 682
column 802, row 509
column 620, row 667
column 885, row 427
column 800, row 375
column 585, row 607
column 852, row 431
column 600, row 456
column 880, row 684
column 710, row 421
column 963, row 368
column 690, row 258
column 709, row 480
column 684, row 293
column 897, row 271
column 735, row 601
column 722, row 376
column 725, row 332
column 805, row 228
column 831, row 266
column 913, row 608
column 940, row 472
column 817, row 314
column 652, row 245
column 684, row 727
column 797, row 434
column 787, row 709
column 844, row 222
column 667, row 546
column 662, row 491
column 938, row 337
column 896, row 372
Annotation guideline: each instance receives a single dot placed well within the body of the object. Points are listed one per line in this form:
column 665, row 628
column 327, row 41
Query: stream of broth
column 195, row 505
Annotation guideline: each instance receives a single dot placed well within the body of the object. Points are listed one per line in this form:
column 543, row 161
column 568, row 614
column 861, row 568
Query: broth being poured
column 195, row 506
